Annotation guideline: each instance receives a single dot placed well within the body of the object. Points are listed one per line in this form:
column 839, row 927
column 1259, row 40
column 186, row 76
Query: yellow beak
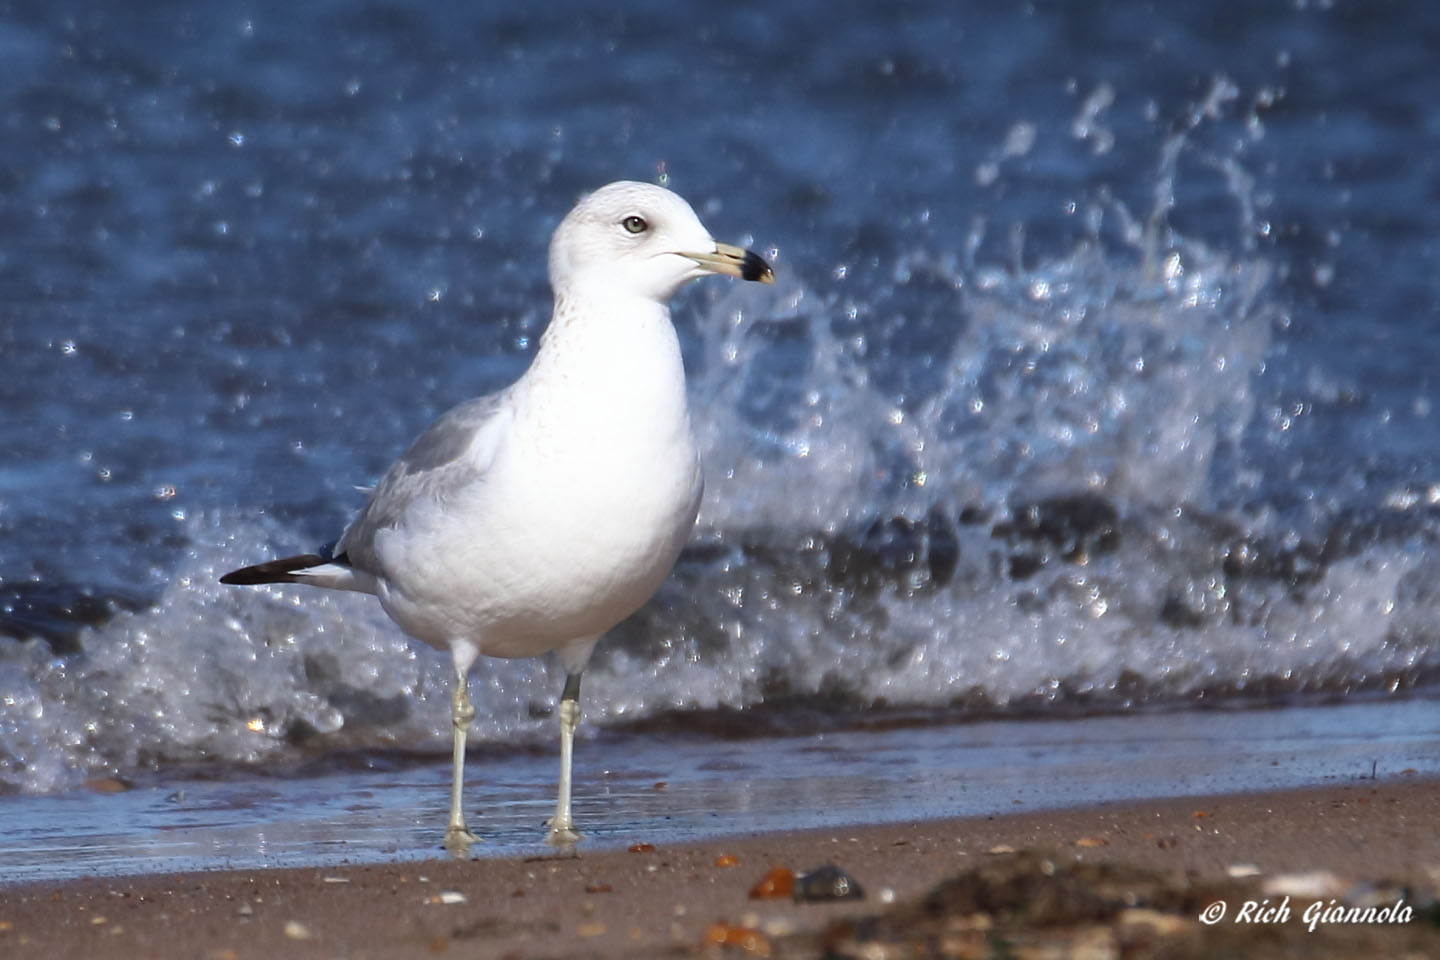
column 735, row 262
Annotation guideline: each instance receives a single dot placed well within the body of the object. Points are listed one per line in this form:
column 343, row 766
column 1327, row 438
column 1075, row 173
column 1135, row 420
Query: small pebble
column 448, row 897
column 826, row 883
column 777, row 927
column 593, row 928
column 296, row 930
column 726, row 860
column 751, row 941
column 779, row 883
column 1239, row 870
column 1317, row 884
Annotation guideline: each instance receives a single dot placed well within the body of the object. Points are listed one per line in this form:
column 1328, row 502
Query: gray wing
column 452, row 453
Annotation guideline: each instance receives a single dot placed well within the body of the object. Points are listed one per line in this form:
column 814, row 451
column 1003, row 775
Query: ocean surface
column 1099, row 382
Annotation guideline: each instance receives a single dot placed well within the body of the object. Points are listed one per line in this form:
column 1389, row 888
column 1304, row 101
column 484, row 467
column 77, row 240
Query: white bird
column 537, row 518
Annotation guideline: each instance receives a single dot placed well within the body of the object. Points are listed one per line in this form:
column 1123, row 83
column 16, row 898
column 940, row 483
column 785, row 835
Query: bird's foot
column 458, row 840
column 563, row 836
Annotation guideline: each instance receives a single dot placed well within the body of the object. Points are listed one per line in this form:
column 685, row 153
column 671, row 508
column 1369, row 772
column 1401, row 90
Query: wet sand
column 1160, row 861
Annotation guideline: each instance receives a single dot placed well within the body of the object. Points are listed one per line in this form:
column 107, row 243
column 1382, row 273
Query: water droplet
column 1173, row 267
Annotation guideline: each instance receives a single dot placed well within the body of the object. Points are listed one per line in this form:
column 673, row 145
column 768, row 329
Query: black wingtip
column 273, row 571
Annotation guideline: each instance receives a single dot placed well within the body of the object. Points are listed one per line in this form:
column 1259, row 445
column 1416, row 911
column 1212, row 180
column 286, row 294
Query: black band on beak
column 754, row 267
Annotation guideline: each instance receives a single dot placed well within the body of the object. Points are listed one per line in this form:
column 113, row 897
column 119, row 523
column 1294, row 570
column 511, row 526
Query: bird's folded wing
column 454, row 452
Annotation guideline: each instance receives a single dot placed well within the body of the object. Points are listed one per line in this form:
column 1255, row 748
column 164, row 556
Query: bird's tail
column 308, row 568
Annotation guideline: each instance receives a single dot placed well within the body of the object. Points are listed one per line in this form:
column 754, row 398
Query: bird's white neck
column 613, row 358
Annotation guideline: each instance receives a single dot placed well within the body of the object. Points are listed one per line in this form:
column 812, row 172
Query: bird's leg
column 562, row 828
column 458, row 836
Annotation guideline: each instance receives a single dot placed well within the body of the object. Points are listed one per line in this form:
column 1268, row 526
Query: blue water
column 1100, row 372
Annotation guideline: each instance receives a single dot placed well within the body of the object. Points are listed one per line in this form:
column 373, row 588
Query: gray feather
column 432, row 469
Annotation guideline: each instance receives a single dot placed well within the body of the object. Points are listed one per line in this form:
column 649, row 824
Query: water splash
column 934, row 484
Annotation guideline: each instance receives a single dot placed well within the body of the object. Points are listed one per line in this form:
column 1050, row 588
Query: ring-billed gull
column 538, row 517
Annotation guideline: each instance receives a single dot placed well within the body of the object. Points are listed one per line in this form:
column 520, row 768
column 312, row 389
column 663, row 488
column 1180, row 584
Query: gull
column 538, row 517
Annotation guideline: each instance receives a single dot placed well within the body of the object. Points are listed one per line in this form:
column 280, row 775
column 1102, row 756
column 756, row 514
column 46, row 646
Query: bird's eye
column 634, row 224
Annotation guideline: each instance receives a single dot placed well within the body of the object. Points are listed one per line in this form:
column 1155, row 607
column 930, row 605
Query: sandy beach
column 1125, row 879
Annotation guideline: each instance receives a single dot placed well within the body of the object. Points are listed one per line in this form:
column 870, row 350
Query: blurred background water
column 1099, row 377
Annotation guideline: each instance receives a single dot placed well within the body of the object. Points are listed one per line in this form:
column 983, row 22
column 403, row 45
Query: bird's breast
column 582, row 513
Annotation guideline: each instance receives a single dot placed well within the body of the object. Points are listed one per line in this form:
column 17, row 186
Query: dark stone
column 1024, row 565
column 1074, row 525
column 826, row 883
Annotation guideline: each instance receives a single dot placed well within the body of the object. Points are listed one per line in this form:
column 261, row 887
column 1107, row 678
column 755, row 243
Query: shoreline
column 676, row 790
column 666, row 901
